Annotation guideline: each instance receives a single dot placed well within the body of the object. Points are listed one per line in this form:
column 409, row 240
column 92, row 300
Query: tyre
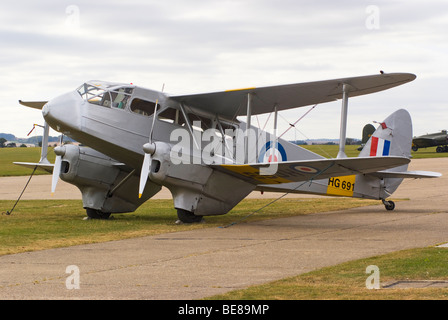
column 188, row 217
column 97, row 214
column 389, row 205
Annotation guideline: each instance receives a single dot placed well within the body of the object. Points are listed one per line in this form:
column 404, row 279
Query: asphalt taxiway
column 201, row 263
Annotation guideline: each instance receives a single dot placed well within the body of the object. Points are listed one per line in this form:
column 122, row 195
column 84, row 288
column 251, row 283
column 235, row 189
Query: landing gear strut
column 188, row 217
column 389, row 205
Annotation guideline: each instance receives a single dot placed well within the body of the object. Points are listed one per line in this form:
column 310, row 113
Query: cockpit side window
column 106, row 96
column 95, row 95
column 143, row 107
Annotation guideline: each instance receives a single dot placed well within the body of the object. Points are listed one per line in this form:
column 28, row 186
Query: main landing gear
column 442, row 149
column 97, row 214
column 187, row 217
column 389, row 204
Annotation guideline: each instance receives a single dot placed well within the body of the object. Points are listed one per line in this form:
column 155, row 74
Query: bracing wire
column 277, row 199
column 8, row 213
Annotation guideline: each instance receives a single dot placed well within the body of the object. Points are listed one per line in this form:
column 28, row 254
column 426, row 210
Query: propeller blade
column 149, row 149
column 56, row 171
column 60, row 152
column 144, row 174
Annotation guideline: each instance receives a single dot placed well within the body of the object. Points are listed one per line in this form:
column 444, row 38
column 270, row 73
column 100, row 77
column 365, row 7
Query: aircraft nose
column 62, row 113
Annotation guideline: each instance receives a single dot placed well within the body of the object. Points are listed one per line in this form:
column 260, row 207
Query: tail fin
column 392, row 138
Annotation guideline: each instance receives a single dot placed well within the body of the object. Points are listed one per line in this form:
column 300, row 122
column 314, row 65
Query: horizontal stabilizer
column 296, row 171
column 33, row 104
column 407, row 174
column 41, row 166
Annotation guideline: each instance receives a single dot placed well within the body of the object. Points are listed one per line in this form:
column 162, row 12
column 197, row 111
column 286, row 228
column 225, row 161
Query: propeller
column 149, row 149
column 60, row 152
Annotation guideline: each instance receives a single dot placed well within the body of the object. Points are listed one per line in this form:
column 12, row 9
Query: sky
column 48, row 48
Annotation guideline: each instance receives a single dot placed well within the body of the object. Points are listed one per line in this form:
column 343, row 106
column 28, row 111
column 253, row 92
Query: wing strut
column 273, row 163
column 344, row 114
column 248, row 124
column 44, row 152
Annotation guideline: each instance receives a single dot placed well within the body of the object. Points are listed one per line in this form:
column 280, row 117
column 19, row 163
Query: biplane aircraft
column 137, row 140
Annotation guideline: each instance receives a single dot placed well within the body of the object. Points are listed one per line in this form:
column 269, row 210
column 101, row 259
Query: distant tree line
column 4, row 144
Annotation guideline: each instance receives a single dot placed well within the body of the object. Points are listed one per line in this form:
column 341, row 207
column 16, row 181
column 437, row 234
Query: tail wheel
column 389, row 205
column 188, row 217
column 97, row 214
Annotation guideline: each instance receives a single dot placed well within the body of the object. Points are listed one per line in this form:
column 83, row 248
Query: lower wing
column 296, row 171
column 42, row 166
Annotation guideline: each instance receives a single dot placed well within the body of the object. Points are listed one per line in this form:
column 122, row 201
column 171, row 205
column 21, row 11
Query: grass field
column 347, row 281
column 10, row 155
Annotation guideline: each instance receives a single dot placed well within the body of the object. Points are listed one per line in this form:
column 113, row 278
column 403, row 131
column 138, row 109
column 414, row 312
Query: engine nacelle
column 106, row 185
column 197, row 188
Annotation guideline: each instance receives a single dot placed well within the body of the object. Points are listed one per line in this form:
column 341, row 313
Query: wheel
column 97, row 214
column 188, row 217
column 389, row 205
column 414, row 148
column 439, row 149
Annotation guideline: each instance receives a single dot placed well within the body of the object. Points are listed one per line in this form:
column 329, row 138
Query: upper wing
column 295, row 171
column 233, row 102
column 33, row 104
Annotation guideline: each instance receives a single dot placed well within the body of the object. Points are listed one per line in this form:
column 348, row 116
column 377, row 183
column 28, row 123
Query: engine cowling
column 106, row 185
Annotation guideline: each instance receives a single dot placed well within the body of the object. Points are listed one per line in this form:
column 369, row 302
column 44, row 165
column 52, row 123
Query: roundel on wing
column 305, row 169
column 269, row 155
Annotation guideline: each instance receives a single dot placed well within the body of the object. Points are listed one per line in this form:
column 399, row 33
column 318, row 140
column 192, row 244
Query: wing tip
column 33, row 104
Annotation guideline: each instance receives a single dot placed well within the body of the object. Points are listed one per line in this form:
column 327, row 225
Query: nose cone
column 63, row 113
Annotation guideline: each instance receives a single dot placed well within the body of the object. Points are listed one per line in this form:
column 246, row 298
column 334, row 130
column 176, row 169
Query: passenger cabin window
column 199, row 123
column 143, row 107
column 172, row 115
column 121, row 97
